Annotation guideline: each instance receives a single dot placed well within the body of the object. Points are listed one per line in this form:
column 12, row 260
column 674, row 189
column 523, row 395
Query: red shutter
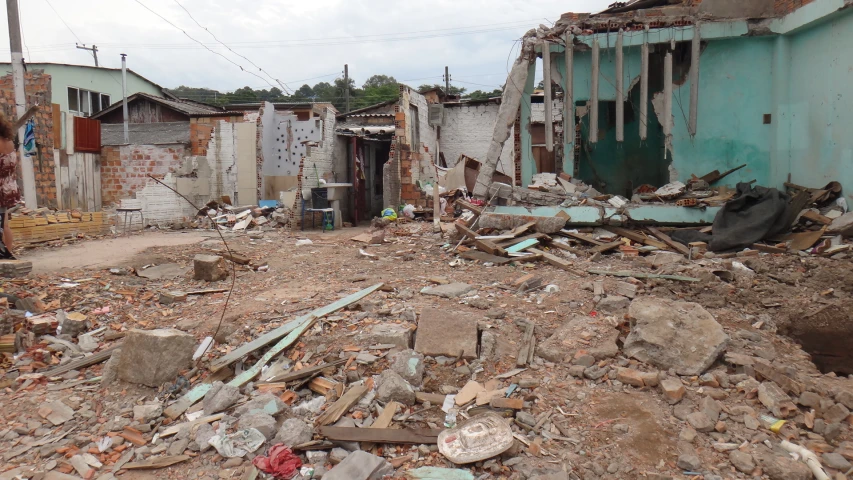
column 87, row 135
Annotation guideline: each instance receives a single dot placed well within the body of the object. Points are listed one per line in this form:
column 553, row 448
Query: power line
column 229, row 48
column 63, row 21
column 203, row 45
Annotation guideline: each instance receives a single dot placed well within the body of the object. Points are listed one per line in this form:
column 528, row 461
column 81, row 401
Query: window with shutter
column 87, row 135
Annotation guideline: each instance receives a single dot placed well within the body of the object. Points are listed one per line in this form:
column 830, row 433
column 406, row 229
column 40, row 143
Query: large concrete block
column 210, row 268
column 154, row 357
column 441, row 332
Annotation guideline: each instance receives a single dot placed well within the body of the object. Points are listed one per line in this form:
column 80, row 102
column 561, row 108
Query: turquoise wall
column 816, row 143
column 101, row 80
column 802, row 75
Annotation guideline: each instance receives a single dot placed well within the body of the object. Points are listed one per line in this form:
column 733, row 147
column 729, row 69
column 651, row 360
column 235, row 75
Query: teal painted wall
column 816, row 142
column 100, row 80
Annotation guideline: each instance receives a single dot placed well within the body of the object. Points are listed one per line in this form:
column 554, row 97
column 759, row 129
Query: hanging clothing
column 30, row 139
column 9, row 195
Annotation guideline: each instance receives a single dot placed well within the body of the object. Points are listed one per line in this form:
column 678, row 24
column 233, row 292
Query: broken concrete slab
column 147, row 413
column 154, row 357
column 263, row 403
column 410, row 365
column 674, row 335
column 387, row 333
column 360, row 465
column 294, row 432
column 220, row 397
column 56, row 412
column 393, row 387
column 168, row 298
column 110, row 372
column 261, row 421
column 613, row 304
column 776, row 400
column 210, row 268
column 163, row 272
column 580, row 333
column 451, row 290
column 842, row 225
column 445, row 333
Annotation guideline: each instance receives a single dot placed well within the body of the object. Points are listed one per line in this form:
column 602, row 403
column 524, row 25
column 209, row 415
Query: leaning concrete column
column 695, row 52
column 569, row 103
column 644, row 86
column 549, row 114
column 667, row 96
column 593, row 97
column 510, row 102
column 620, row 89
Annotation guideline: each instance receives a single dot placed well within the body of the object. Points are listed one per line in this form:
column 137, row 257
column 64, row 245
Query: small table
column 131, row 212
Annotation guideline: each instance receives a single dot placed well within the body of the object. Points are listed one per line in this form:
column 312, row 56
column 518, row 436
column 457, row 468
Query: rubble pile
column 397, row 360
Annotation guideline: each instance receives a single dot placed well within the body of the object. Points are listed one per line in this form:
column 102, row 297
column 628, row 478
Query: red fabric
column 281, row 462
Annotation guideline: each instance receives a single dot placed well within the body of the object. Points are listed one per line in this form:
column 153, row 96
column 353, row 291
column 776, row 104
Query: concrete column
column 593, row 97
column 644, row 87
column 667, row 96
column 549, row 114
column 695, row 52
column 569, row 107
column 620, row 89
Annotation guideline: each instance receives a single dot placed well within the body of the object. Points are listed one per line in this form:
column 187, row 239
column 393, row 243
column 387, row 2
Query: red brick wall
column 38, row 89
column 124, row 169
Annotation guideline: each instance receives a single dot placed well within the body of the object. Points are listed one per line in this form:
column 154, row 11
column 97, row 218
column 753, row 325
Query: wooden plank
column 90, row 182
column 470, row 206
column 283, row 330
column 521, row 229
column 72, row 182
column 342, row 405
column 521, row 246
column 536, row 236
column 485, row 257
column 768, row 248
column 177, row 428
column 606, row 247
column 82, row 363
column 57, row 172
column 581, row 237
column 433, row 398
column 637, row 237
column 802, row 240
column 643, row 275
column 554, row 260
column 381, row 435
column 526, row 345
column 237, row 258
column 815, row 217
column 466, row 231
column 81, row 180
column 489, row 247
column 383, row 421
column 679, row 247
column 156, row 462
column 198, row 392
column 96, row 176
column 304, row 373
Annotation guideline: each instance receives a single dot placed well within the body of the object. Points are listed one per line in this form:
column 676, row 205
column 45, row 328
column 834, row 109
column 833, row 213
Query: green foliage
column 376, row 89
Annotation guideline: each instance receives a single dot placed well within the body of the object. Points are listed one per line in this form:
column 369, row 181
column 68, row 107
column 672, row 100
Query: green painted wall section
column 816, row 146
column 100, row 80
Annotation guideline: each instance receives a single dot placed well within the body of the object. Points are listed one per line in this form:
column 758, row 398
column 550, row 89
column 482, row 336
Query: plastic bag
column 280, row 462
column 239, row 443
column 389, row 214
column 409, row 211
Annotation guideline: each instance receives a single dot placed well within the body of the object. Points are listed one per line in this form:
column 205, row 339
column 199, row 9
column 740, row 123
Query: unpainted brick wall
column 37, row 86
column 322, row 157
column 124, row 169
column 784, row 7
column 416, row 162
column 468, row 130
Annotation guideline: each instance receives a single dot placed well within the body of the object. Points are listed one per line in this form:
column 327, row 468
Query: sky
column 293, row 42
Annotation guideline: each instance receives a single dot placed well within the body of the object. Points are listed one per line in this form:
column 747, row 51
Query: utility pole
column 93, row 49
column 346, row 85
column 124, row 96
column 27, row 173
column 447, row 80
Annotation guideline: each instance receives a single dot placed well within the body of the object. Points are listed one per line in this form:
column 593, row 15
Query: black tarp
column 755, row 213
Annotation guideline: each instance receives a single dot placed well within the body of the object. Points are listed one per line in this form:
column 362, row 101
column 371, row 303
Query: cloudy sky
column 294, row 42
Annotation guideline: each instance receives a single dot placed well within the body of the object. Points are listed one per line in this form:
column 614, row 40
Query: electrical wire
column 202, row 44
column 23, row 37
column 283, row 87
column 63, row 21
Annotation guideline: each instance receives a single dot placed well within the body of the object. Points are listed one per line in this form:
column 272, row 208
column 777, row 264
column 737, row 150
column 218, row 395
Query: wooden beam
column 383, row 421
column 679, row 247
column 82, row 363
column 304, row 373
column 606, row 247
column 486, row 257
column 470, row 206
column 381, row 435
column 489, row 247
column 637, row 237
column 581, row 237
column 815, row 217
column 342, row 405
column 554, row 260
column 535, row 236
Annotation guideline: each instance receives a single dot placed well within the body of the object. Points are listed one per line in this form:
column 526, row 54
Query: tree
column 454, row 90
column 379, row 81
column 305, row 92
column 480, row 95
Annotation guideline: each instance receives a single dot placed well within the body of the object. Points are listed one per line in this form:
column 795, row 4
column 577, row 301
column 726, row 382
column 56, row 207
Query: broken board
column 486, row 257
column 382, row 435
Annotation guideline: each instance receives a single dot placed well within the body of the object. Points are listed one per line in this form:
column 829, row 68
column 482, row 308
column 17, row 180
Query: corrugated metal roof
column 189, row 108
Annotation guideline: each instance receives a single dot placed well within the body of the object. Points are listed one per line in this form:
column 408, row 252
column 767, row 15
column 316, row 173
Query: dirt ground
column 611, row 430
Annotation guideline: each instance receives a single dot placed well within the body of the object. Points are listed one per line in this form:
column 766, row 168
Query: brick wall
column 784, row 7
column 468, row 130
column 37, row 86
column 124, row 168
column 222, row 159
column 323, row 156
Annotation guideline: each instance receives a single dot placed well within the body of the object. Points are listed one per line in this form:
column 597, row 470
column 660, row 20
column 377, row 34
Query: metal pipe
column 695, row 52
column 667, row 95
column 549, row 106
column 569, row 101
column 593, row 100
column 124, row 96
column 644, row 87
column 620, row 89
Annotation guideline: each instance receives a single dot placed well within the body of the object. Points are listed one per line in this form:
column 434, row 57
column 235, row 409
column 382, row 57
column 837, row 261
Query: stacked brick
column 41, row 228
column 784, row 7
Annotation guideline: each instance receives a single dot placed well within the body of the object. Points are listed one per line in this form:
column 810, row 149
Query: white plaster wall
column 323, row 156
column 427, row 134
column 162, row 206
column 222, row 158
column 468, row 130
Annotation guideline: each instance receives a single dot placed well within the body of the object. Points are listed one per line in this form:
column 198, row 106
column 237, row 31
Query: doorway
column 376, row 154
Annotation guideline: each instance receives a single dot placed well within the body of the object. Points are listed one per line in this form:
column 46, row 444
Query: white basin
column 337, row 191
